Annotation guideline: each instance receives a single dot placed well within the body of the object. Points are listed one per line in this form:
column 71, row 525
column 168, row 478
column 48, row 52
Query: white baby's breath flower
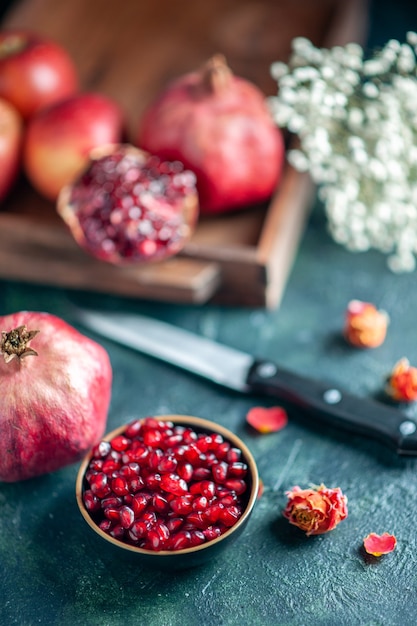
column 356, row 120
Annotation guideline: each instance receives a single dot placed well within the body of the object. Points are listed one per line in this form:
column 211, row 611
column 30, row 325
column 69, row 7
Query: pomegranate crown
column 14, row 343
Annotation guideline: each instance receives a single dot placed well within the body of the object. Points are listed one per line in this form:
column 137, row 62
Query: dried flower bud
column 402, row 383
column 365, row 326
column 377, row 545
column 317, row 510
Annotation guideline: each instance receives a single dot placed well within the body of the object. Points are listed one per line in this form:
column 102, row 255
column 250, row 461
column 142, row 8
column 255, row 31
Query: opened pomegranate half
column 217, row 124
column 55, row 388
column 129, row 206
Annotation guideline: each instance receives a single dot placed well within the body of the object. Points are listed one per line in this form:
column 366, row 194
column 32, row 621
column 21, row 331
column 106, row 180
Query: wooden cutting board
column 129, row 51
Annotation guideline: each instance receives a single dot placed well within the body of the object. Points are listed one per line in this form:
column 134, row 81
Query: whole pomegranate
column 55, row 387
column 128, row 206
column 34, row 71
column 59, row 139
column 11, row 134
column 219, row 126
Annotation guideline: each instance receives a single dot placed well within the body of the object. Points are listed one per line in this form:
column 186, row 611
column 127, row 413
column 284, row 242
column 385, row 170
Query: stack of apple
column 207, row 144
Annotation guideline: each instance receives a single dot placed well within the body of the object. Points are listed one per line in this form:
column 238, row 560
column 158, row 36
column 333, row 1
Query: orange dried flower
column 402, row 383
column 317, row 510
column 365, row 325
column 267, row 420
column 377, row 545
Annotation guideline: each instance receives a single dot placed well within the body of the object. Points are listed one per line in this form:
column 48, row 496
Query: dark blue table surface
column 49, row 572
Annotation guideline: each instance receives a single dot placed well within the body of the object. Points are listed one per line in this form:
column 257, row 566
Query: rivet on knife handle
column 336, row 407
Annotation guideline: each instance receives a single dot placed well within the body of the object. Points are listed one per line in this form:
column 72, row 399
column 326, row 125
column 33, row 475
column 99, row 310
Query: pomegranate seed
column 112, row 501
column 127, row 516
column 112, row 513
column 236, row 485
column 201, row 473
column 185, row 471
column 161, row 486
column 182, row 505
column 212, row 532
column 180, row 540
column 120, row 443
column 139, row 503
column 101, row 449
column 120, row 486
column 174, row 524
column 174, row 484
column 100, row 485
column 219, row 471
column 237, row 469
column 229, row 515
column 91, row 501
column 160, row 503
column 197, row 537
column 233, row 455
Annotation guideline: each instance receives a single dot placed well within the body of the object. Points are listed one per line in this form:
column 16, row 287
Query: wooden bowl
column 186, row 557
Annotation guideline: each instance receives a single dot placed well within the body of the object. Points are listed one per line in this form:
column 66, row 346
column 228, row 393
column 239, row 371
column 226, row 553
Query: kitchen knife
column 243, row 373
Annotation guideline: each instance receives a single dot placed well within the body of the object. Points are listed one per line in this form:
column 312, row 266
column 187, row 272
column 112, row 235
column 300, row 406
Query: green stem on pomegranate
column 14, row 344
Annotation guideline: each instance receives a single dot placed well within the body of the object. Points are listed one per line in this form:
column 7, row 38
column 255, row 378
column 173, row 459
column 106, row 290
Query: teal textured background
column 50, row 573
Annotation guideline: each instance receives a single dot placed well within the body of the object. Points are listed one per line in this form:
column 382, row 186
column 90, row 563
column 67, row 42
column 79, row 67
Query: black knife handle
column 336, row 407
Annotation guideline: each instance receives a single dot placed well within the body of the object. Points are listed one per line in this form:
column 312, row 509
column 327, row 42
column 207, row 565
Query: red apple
column 34, row 71
column 59, row 139
column 11, row 133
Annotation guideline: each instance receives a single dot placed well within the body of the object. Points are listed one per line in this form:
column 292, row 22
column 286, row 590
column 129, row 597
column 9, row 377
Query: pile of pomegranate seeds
column 129, row 206
column 161, row 486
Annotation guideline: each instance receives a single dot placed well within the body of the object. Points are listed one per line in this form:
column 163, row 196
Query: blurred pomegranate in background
column 220, row 127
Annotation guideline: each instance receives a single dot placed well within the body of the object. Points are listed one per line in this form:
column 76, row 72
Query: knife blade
column 247, row 374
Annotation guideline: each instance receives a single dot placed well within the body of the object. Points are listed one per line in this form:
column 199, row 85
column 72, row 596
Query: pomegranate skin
column 54, row 405
column 219, row 126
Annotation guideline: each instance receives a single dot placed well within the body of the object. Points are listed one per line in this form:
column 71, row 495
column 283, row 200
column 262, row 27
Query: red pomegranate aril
column 101, row 449
column 167, row 464
column 111, row 501
column 100, row 485
column 237, row 469
column 212, row 532
column 153, row 481
column 235, row 484
column 200, row 503
column 180, row 540
column 172, row 483
column 174, row 524
column 196, row 537
column 219, row 471
column 106, row 525
column 133, row 429
column 160, row 503
column 117, row 532
column 152, row 438
column 196, row 519
column 110, row 466
column 120, row 443
column 185, row 471
column 229, row 515
column 91, row 501
column 139, row 503
column 127, row 516
column 176, row 496
column 233, row 455
column 120, row 486
column 112, row 513
column 182, row 505
column 136, row 484
column 201, row 473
